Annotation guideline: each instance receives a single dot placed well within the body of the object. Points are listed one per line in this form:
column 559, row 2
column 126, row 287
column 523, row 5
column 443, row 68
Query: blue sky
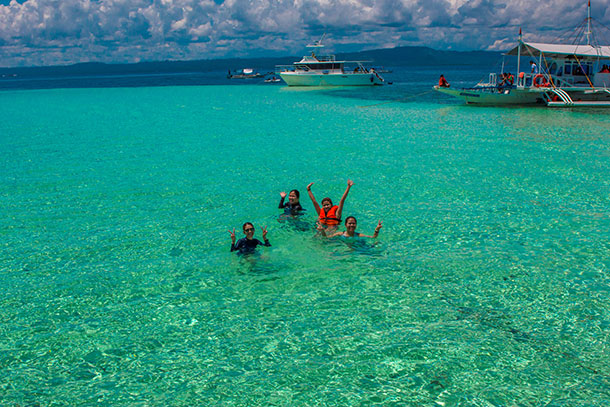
column 49, row 32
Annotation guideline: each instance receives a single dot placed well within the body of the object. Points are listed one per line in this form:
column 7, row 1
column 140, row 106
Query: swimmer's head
column 293, row 196
column 327, row 203
column 248, row 229
column 350, row 223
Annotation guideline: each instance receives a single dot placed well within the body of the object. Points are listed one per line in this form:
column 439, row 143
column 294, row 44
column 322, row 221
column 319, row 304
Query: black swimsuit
column 289, row 208
column 245, row 246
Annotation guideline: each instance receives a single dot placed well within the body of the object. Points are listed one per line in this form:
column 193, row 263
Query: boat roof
column 561, row 50
column 325, row 60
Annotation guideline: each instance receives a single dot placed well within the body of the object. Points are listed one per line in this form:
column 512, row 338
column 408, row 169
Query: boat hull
column 330, row 79
column 590, row 97
column 482, row 97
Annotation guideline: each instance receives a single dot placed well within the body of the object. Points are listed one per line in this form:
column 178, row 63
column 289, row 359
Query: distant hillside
column 400, row 56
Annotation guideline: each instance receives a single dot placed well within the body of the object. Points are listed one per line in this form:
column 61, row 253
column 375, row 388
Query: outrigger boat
column 569, row 75
column 325, row 70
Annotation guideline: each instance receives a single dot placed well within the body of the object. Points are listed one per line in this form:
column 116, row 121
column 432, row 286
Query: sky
column 59, row 32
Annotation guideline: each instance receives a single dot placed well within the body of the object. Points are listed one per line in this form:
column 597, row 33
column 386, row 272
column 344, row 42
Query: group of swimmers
column 329, row 218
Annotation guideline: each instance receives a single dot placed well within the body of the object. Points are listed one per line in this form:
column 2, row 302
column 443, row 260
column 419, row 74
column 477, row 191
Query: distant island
column 400, row 56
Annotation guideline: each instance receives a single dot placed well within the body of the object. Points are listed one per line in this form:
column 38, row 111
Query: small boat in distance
column 325, row 70
column 560, row 75
column 246, row 73
column 273, row 79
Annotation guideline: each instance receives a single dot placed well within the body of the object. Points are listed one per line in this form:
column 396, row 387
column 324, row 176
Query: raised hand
column 379, row 226
column 321, row 228
column 264, row 229
column 309, row 186
column 283, row 194
column 232, row 235
column 350, row 183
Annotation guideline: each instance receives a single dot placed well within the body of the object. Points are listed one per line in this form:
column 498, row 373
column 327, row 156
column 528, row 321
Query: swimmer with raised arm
column 329, row 215
column 293, row 206
column 247, row 244
column 350, row 225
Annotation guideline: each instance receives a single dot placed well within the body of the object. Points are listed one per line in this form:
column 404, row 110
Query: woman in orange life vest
column 329, row 215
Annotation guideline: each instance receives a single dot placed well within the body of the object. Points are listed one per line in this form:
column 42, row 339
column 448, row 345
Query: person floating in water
column 247, row 244
column 329, row 215
column 442, row 82
column 293, row 206
column 350, row 225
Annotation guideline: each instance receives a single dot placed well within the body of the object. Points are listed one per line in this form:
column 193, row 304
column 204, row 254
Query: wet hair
column 350, row 217
column 327, row 199
column 246, row 224
column 296, row 192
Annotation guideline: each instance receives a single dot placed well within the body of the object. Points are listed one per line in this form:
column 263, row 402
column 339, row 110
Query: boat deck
column 593, row 103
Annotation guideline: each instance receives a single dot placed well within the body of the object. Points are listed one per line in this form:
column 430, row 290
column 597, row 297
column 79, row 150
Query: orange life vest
column 329, row 218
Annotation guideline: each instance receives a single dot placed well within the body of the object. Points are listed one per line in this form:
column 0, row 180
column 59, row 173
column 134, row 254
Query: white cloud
column 37, row 32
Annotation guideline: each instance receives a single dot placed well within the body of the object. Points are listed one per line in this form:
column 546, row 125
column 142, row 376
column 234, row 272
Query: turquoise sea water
column 488, row 285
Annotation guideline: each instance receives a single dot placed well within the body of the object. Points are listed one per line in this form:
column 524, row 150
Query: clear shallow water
column 488, row 285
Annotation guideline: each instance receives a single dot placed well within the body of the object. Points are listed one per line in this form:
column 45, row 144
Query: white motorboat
column 325, row 70
column 564, row 75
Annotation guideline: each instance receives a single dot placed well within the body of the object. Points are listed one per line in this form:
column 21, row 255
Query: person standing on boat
column 329, row 215
column 442, row 82
column 534, row 67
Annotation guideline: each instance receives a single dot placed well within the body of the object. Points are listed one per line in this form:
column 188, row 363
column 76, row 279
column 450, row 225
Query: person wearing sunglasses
column 247, row 244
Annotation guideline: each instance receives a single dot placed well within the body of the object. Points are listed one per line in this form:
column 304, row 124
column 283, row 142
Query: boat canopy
column 561, row 50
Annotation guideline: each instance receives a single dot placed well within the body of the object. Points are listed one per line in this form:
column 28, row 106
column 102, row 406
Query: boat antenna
column 519, row 51
column 589, row 23
column 317, row 44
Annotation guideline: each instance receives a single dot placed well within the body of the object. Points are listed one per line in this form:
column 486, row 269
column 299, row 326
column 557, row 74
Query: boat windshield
column 319, row 66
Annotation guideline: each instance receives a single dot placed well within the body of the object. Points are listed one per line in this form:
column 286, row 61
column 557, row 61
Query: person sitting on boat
column 357, row 69
column 329, row 215
column 503, row 81
column 534, row 67
column 350, row 226
column 605, row 69
column 510, row 79
column 442, row 82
